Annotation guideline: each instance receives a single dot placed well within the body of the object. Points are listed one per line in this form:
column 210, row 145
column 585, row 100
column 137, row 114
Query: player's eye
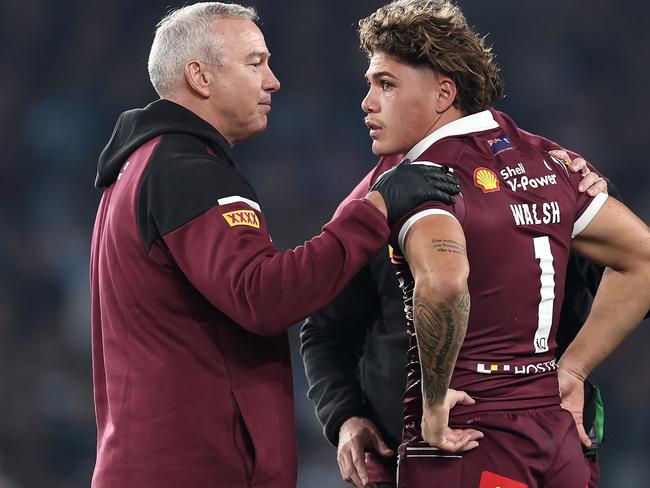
column 386, row 85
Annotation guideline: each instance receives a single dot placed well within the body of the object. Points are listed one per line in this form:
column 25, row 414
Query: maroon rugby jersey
column 519, row 210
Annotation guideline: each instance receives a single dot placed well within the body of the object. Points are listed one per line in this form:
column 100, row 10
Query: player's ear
column 446, row 93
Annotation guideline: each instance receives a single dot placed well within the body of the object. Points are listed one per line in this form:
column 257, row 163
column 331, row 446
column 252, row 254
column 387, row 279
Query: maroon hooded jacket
column 190, row 306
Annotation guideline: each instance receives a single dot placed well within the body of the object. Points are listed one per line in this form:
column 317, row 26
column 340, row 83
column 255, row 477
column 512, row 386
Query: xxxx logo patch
column 242, row 217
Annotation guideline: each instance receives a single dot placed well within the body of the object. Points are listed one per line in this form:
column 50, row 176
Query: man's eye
column 385, row 85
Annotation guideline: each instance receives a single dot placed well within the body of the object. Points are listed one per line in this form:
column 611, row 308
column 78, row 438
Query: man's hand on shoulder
column 356, row 436
column 406, row 186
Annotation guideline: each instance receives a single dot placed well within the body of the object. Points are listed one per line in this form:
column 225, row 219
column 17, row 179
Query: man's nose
column 270, row 82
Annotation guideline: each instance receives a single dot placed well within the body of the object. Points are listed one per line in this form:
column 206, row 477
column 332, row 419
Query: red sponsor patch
column 493, row 480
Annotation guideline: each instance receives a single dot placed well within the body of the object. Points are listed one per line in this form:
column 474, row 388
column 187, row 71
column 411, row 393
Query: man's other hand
column 591, row 182
column 356, row 436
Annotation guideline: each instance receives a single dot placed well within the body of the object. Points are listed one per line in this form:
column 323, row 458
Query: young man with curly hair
column 432, row 84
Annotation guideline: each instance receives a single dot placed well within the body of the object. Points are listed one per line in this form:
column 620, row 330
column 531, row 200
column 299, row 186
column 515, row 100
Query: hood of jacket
column 135, row 127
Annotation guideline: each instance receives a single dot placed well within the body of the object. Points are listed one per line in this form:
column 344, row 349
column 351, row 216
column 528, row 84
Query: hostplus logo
column 532, row 368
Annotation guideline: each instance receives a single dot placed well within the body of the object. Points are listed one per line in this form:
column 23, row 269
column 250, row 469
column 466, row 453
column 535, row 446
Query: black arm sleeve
column 332, row 342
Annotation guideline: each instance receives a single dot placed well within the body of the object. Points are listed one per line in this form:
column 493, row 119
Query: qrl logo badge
column 486, row 179
column 242, row 217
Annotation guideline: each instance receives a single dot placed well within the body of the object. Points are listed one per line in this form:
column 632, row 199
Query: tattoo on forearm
column 447, row 245
column 440, row 330
column 463, row 303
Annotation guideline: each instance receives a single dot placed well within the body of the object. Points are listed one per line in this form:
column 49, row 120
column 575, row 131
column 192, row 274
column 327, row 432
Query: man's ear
column 198, row 78
column 446, row 93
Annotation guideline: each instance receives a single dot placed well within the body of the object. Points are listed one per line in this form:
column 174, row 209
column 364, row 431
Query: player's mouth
column 375, row 128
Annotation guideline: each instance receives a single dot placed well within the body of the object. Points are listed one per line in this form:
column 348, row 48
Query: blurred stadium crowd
column 576, row 72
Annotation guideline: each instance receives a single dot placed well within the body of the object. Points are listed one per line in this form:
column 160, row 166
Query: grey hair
column 185, row 34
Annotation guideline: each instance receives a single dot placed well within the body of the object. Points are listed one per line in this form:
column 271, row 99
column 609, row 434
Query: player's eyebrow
column 379, row 74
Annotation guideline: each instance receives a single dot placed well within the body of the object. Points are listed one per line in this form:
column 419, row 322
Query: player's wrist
column 574, row 370
column 435, row 409
column 577, row 360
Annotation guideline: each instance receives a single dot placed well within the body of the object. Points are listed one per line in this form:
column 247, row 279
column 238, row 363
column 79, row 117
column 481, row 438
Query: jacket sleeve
column 333, row 339
column 332, row 342
column 214, row 230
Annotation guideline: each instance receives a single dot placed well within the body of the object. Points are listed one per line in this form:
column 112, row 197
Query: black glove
column 408, row 185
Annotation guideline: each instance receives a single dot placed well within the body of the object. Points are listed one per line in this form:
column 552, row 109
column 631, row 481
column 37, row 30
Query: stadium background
column 575, row 71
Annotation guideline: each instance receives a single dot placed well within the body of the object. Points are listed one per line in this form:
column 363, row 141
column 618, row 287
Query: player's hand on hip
column 356, row 436
column 591, row 182
column 406, row 186
column 436, row 431
column 572, row 394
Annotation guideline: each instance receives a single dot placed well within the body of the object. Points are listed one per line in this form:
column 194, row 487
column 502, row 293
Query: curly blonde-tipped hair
column 434, row 33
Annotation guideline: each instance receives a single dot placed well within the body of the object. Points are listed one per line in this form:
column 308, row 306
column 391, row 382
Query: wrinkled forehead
column 240, row 37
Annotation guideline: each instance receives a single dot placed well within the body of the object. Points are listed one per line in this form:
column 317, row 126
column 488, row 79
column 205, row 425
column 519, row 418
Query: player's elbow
column 446, row 286
column 637, row 265
column 644, row 272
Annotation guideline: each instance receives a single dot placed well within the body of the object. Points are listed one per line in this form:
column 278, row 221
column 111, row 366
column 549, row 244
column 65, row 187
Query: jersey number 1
column 546, row 292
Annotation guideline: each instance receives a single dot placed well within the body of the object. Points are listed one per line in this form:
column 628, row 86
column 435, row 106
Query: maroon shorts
column 521, row 449
column 381, row 469
column 594, row 472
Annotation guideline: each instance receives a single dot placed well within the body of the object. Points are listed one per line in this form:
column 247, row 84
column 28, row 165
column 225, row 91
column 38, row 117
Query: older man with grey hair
column 190, row 299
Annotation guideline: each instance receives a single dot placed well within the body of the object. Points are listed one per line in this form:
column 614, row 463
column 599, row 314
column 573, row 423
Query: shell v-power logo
column 486, row 179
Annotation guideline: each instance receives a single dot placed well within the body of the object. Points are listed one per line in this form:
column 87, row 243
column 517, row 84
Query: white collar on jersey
column 477, row 122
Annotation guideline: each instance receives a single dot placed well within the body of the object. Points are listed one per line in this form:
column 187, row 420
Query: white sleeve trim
column 435, row 165
column 589, row 213
column 237, row 198
column 414, row 218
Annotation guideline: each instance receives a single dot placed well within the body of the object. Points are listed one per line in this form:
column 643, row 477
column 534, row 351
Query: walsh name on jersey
column 528, row 213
